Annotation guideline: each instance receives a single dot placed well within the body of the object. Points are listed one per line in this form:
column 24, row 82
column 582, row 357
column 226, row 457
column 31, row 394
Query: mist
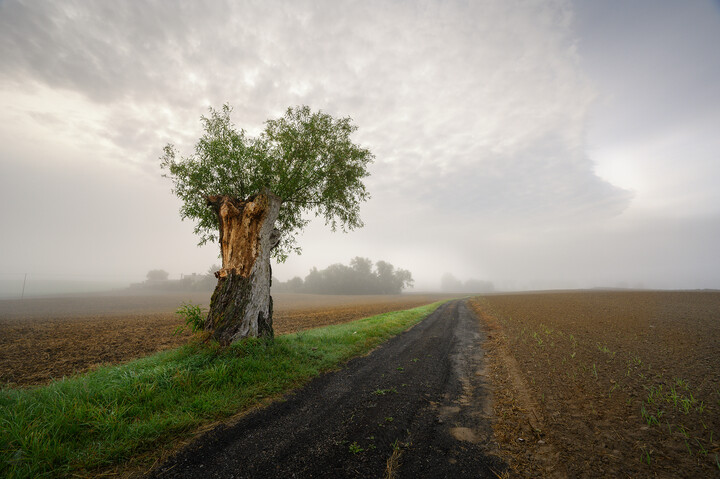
column 546, row 145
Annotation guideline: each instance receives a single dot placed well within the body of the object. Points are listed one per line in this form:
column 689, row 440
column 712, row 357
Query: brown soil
column 606, row 384
column 46, row 338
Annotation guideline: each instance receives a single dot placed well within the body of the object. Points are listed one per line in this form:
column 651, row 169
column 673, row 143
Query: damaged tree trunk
column 241, row 305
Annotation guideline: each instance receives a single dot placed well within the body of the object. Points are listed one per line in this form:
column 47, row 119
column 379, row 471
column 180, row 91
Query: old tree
column 252, row 194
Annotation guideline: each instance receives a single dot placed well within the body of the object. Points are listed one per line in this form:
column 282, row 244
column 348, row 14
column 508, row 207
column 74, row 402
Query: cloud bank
column 477, row 113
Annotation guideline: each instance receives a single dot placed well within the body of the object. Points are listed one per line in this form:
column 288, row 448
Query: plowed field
column 46, row 338
column 606, row 384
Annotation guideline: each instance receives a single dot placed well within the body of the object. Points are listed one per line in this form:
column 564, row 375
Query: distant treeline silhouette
column 450, row 284
column 358, row 278
column 157, row 280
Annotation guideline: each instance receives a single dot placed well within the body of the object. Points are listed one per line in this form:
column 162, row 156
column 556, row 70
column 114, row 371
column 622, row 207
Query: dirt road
column 415, row 407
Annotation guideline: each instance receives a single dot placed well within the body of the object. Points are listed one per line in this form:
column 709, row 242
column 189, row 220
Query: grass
column 106, row 417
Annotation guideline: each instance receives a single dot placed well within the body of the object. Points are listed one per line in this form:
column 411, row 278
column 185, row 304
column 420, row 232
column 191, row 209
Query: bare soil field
column 606, row 384
column 46, row 338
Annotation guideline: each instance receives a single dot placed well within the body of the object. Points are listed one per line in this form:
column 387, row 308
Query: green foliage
column 306, row 158
column 194, row 317
column 357, row 278
column 81, row 425
column 355, row 448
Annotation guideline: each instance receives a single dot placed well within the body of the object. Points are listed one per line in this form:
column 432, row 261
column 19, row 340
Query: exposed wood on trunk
column 241, row 305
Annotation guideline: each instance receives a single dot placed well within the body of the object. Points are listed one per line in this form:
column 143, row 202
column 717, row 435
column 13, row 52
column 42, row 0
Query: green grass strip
column 106, row 417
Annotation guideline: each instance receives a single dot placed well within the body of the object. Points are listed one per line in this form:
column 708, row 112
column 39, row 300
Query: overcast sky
column 535, row 144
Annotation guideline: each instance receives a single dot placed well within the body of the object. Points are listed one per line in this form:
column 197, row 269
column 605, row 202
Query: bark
column 241, row 305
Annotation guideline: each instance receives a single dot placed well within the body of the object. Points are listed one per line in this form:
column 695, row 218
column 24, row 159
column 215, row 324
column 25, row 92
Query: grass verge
column 104, row 418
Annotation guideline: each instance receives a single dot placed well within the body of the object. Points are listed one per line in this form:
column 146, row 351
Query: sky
column 534, row 144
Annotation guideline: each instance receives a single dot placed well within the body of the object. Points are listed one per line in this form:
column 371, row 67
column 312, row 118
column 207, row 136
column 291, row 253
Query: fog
column 530, row 145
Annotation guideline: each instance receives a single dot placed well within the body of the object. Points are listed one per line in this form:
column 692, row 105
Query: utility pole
column 22, row 295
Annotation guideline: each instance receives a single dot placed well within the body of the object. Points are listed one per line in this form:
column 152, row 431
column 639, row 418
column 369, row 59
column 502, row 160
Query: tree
column 363, row 280
column 251, row 195
column 157, row 275
column 392, row 281
column 358, row 278
column 450, row 283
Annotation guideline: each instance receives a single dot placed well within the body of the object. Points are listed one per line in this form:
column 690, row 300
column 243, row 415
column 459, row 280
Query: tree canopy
column 305, row 157
column 357, row 278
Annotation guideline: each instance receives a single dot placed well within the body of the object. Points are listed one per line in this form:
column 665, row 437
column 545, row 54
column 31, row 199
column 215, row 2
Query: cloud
column 486, row 90
column 477, row 112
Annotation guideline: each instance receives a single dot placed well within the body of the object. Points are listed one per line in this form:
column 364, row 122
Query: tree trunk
column 241, row 305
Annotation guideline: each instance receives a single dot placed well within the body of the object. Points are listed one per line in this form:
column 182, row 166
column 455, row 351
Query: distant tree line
column 157, row 280
column 358, row 278
column 450, row 284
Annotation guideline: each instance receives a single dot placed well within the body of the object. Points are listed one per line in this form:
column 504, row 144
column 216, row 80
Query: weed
column 400, row 368
column 382, row 392
column 389, row 419
column 605, row 349
column 645, row 456
column 355, row 448
column 685, row 405
column 650, row 419
column 701, row 448
column 194, row 316
column 612, row 389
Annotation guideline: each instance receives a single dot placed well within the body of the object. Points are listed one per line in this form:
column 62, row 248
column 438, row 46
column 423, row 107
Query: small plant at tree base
column 355, row 448
column 194, row 317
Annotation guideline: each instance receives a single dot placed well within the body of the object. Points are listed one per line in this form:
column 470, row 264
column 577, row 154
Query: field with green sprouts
column 607, row 384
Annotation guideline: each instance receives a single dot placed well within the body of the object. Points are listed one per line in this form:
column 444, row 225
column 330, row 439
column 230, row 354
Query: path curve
column 423, row 391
